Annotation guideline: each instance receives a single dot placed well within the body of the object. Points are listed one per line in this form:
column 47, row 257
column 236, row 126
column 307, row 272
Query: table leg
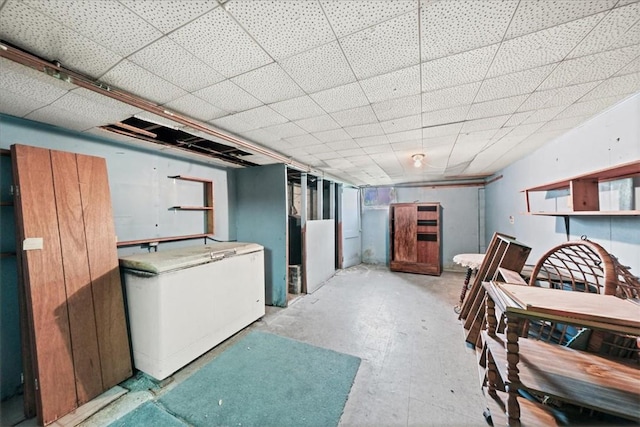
column 463, row 291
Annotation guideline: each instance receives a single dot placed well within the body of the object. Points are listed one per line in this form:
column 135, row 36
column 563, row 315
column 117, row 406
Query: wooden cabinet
column 584, row 192
column 415, row 238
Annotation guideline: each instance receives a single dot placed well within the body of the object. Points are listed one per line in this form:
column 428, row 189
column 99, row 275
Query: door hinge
column 14, row 190
column 36, row 383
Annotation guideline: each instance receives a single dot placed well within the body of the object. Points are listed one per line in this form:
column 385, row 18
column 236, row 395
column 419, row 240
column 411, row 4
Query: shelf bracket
column 567, row 220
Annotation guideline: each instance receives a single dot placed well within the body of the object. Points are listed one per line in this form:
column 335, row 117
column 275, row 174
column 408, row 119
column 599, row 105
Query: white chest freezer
column 183, row 302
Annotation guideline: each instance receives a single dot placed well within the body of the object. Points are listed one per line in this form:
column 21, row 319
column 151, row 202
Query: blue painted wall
column 141, row 195
column 611, row 138
column 460, row 223
column 261, row 217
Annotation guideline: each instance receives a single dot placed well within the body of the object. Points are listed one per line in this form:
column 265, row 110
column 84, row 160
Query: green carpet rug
column 266, row 380
column 148, row 414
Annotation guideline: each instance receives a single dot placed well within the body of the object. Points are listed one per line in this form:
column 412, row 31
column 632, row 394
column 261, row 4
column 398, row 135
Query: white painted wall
column 351, row 234
column 611, row 138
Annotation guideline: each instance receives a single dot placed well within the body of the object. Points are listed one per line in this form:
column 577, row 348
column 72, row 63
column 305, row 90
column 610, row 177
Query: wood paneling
column 405, row 226
column 45, row 293
column 75, row 339
column 77, row 280
column 108, row 300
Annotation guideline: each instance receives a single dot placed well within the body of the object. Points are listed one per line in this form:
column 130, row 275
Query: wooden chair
column 584, row 266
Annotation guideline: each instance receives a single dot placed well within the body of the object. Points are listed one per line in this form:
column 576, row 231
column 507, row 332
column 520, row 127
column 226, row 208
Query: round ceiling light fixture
column 417, row 160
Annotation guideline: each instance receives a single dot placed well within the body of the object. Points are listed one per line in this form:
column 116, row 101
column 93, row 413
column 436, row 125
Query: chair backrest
column 585, row 266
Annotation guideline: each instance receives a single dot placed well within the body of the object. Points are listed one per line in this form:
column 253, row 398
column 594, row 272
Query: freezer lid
column 176, row 259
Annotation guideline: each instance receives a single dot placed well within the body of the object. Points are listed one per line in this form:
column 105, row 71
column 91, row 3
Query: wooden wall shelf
column 584, row 194
column 208, row 205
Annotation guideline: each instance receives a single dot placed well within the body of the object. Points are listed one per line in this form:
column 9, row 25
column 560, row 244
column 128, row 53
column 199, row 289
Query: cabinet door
column 405, row 226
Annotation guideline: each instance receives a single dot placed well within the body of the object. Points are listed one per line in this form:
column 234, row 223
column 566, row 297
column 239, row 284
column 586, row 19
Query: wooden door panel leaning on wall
column 70, row 279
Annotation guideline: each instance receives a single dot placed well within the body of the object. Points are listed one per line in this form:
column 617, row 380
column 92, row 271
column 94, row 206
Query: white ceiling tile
column 378, row 149
column 341, row 98
column 108, row 23
column 565, row 72
column 622, row 85
column 131, row 77
column 286, row 130
column 279, row 88
column 233, row 123
column 355, row 116
column 29, row 83
column 565, row 95
column 234, row 51
column 452, row 27
column 564, row 124
column 341, row 146
column 320, row 68
column 608, row 31
column 606, row 64
column 439, row 141
column 450, row 97
column 106, row 102
column 517, row 118
column 542, row 47
column 543, row 115
column 318, row 149
column 99, row 113
column 50, row 39
column 625, row 2
column 195, row 107
column 312, row 144
column 318, row 124
column 395, row 84
column 360, row 131
column 368, row 141
column 283, row 28
column 513, row 84
column 523, row 131
column 329, row 155
column 352, row 152
column 328, row 136
column 631, row 67
column 262, row 137
column 298, row 108
column 17, row 105
column 228, row 96
column 175, row 64
column 496, row 107
column 167, row 15
column 484, row 124
column 347, row 17
column 68, row 119
column 457, row 69
column 534, row 15
column 446, row 116
column 261, row 117
column 631, row 37
column 397, row 108
column 385, row 47
column 402, row 124
column 589, row 108
column 406, row 135
column 412, row 146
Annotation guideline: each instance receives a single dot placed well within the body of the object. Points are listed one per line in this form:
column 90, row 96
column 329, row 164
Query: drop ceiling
column 350, row 88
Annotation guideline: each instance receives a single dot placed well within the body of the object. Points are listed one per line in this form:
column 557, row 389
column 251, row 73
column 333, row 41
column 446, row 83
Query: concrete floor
column 415, row 370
